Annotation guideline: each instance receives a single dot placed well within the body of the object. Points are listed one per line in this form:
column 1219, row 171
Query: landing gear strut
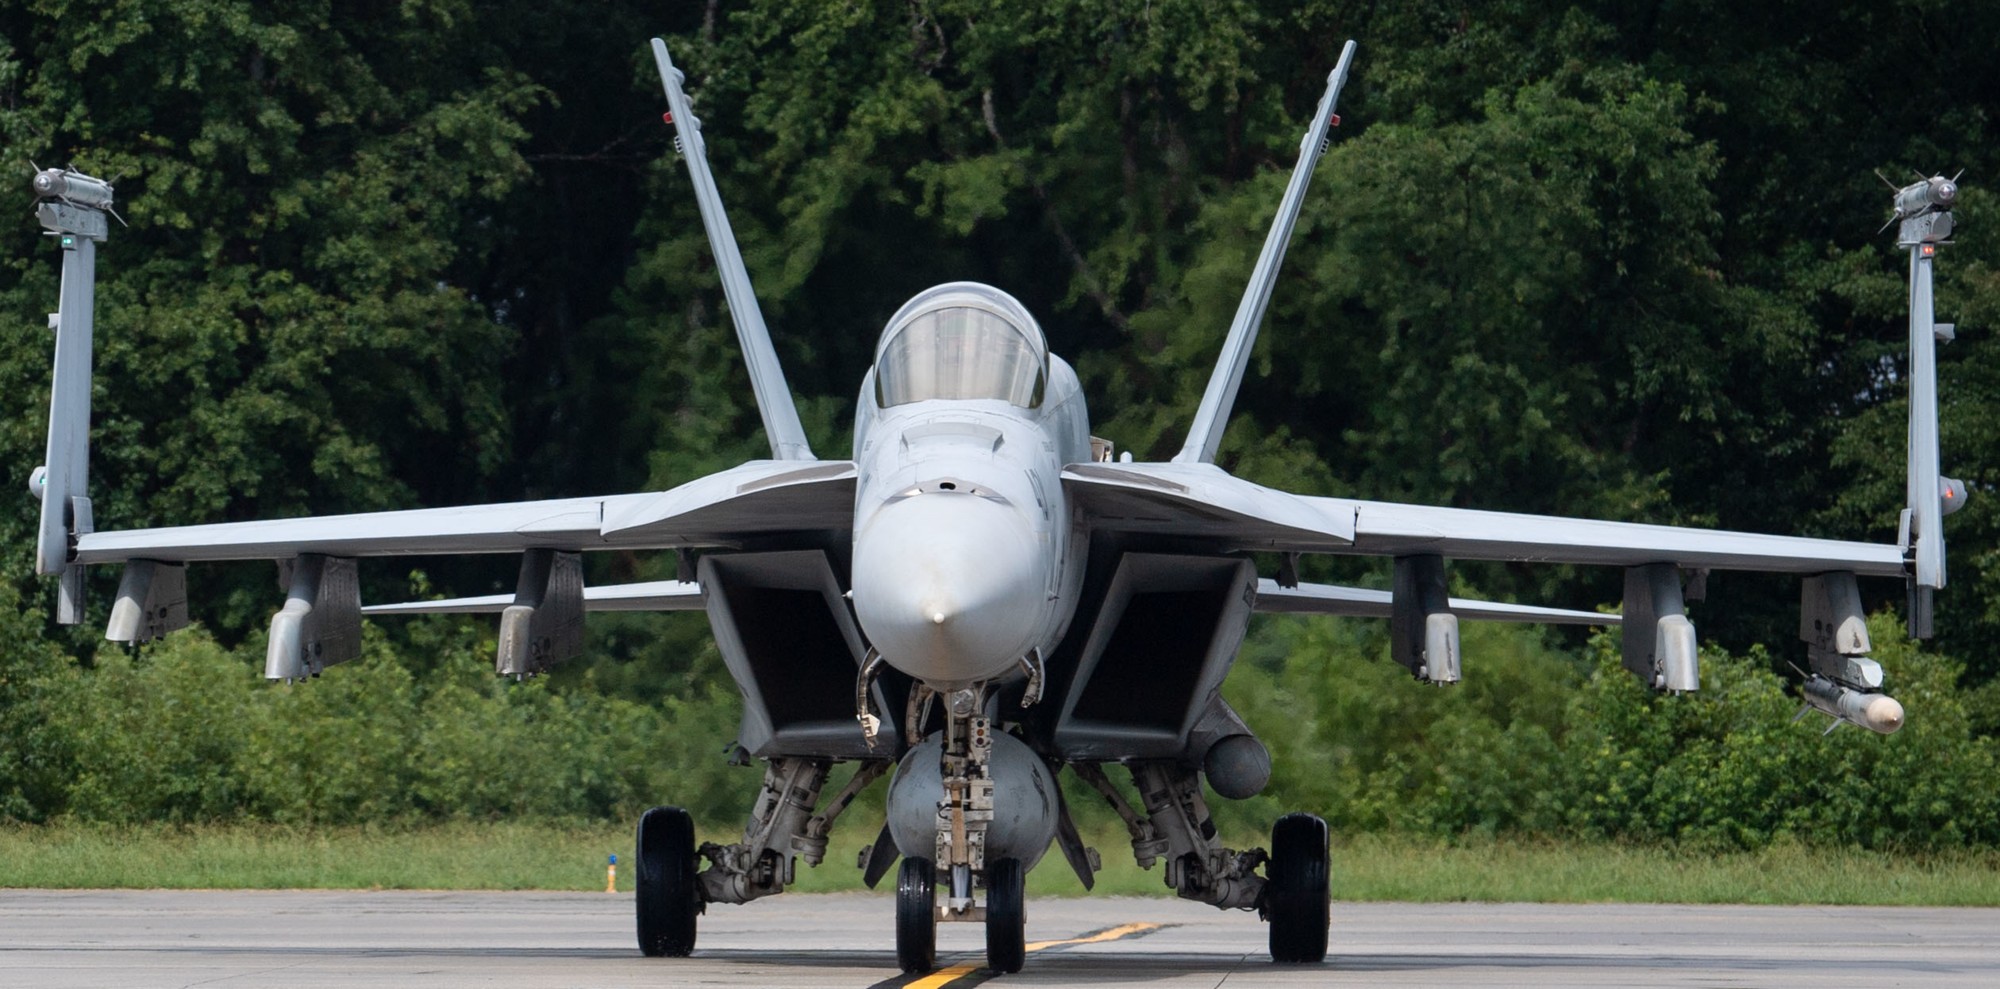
column 783, row 829
column 961, row 852
column 1176, row 828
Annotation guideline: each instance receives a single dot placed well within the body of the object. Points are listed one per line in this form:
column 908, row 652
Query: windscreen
column 958, row 353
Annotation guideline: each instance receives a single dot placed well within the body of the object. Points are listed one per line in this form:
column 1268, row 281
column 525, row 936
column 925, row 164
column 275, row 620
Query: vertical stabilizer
column 73, row 207
column 767, row 378
column 1212, row 417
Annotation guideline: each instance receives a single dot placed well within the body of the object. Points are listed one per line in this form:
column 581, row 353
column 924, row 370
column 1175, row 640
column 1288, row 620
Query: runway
column 307, row 939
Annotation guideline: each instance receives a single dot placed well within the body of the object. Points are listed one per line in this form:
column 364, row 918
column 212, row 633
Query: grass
column 517, row 855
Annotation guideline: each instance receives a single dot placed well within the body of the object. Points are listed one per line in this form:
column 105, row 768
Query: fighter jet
column 981, row 596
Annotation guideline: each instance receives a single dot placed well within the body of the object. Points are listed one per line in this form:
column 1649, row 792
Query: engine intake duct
column 793, row 647
column 1166, row 635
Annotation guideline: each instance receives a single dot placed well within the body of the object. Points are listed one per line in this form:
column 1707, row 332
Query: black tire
column 1296, row 899
column 916, row 916
column 1006, row 916
column 668, row 897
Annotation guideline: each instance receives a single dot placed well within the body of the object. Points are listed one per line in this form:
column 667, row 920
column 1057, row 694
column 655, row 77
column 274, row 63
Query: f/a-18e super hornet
column 982, row 596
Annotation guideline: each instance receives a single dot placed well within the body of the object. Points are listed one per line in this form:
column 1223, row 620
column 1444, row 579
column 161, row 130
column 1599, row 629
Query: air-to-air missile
column 1875, row 712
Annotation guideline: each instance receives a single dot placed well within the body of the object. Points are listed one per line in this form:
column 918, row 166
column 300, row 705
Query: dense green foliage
column 1608, row 259
column 189, row 732
column 1536, row 744
column 1539, row 743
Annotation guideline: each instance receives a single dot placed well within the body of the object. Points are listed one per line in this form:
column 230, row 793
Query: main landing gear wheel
column 1295, row 892
column 916, row 916
column 1006, row 916
column 668, row 898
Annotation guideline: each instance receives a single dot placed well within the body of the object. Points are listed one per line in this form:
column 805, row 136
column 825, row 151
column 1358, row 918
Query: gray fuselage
column 967, row 556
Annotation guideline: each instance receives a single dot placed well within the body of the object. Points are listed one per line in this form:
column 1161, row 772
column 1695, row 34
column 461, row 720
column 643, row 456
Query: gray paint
column 152, row 601
column 767, row 378
column 651, row 595
column 1211, row 418
column 1025, row 802
column 320, row 624
column 1362, row 602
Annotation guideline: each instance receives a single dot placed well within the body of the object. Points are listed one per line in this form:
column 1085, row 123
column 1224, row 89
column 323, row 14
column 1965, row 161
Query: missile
column 1934, row 193
column 72, row 187
column 1875, row 712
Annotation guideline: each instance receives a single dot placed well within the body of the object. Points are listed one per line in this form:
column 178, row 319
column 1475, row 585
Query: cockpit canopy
column 961, row 340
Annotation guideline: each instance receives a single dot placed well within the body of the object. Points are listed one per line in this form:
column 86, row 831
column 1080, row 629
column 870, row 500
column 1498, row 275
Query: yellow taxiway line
column 946, row 976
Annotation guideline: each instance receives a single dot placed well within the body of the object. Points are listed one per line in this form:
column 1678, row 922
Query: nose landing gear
column 916, row 916
column 974, row 810
column 1006, row 916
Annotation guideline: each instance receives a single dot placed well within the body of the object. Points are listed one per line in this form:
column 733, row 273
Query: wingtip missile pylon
column 1924, row 209
column 73, row 207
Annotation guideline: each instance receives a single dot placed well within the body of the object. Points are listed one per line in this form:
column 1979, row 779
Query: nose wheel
column 1295, row 893
column 1006, row 916
column 667, row 898
column 916, row 916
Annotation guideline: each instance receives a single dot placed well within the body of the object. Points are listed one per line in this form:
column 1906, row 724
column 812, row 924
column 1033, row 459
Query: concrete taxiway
column 61, row 939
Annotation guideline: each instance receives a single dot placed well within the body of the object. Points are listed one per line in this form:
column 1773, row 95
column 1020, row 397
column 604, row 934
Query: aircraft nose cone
column 949, row 588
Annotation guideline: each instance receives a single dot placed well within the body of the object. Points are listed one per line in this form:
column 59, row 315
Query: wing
column 1203, row 502
column 769, row 502
column 1184, row 505
column 652, row 595
column 1387, row 529
column 761, row 497
column 1361, row 602
column 786, row 504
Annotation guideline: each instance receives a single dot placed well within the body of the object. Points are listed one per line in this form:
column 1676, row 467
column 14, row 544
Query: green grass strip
column 523, row 855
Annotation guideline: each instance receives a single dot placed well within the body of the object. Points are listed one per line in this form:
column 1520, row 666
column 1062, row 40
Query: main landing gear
column 971, row 810
column 673, row 887
column 668, row 899
column 1295, row 898
column 1292, row 893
